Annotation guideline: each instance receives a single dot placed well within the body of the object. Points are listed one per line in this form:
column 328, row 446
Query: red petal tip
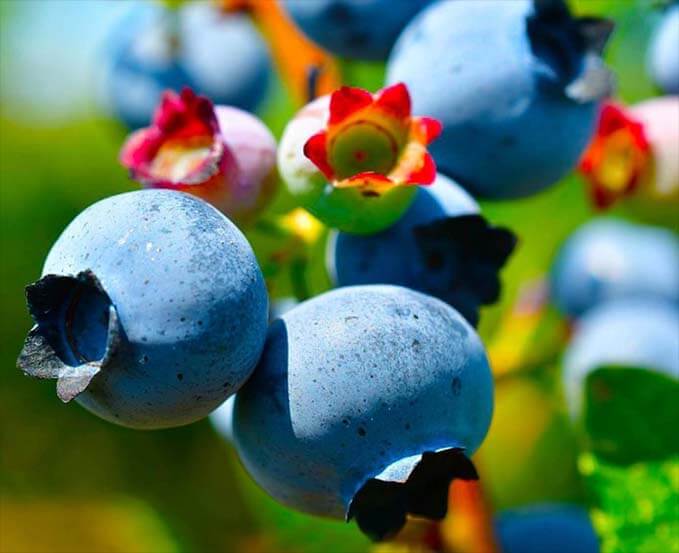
column 347, row 100
column 395, row 99
column 426, row 174
column 315, row 150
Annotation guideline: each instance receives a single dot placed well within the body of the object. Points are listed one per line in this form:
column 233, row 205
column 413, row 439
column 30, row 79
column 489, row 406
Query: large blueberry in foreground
column 360, row 29
column 546, row 528
column 220, row 56
column 442, row 246
column 608, row 259
column 515, row 85
column 632, row 333
column 663, row 53
column 365, row 404
column 151, row 310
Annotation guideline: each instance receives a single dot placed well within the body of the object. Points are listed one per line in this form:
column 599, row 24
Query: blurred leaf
column 634, row 508
column 631, row 414
column 82, row 525
column 294, row 532
column 529, row 455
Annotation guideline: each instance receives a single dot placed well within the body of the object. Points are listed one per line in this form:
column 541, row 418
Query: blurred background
column 72, row 482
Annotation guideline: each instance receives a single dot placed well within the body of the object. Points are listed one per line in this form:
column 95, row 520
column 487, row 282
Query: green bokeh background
column 71, row 482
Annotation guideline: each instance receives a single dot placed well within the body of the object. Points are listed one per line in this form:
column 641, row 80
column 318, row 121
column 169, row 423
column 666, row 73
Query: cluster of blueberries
column 365, row 401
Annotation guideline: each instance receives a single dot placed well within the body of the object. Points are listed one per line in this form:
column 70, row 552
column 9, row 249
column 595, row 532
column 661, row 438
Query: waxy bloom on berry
column 352, row 158
column 617, row 158
column 220, row 154
column 372, row 142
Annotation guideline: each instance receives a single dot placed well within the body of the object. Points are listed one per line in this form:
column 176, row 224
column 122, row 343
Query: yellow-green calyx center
column 362, row 146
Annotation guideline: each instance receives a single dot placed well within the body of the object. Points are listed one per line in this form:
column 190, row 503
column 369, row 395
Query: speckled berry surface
column 357, row 382
column 189, row 299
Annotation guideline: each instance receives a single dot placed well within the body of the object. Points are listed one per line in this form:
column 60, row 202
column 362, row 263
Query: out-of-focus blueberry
column 151, row 310
column 442, row 246
column 516, row 86
column 546, row 528
column 359, row 29
column 365, row 404
column 607, row 259
column 221, row 56
column 633, row 333
column 663, row 54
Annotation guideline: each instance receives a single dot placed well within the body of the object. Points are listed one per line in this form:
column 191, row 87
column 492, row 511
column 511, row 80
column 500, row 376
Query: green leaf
column 631, row 414
column 633, row 508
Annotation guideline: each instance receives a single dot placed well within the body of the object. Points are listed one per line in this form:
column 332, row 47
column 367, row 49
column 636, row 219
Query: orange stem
column 468, row 528
column 295, row 56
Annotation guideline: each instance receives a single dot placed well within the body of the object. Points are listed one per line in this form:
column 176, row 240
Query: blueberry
column 353, row 159
column 546, row 528
column 607, row 259
column 635, row 333
column 442, row 246
column 365, row 404
column 663, row 54
column 220, row 56
column 358, row 29
column 221, row 154
column 151, row 310
column 222, row 417
column 515, row 84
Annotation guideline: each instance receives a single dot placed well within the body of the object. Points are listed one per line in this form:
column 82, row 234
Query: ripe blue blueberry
column 608, row 259
column 516, row 86
column 663, row 54
column 359, row 29
column 553, row 528
column 635, row 333
column 222, row 57
column 365, row 404
column 442, row 246
column 151, row 310
column 222, row 417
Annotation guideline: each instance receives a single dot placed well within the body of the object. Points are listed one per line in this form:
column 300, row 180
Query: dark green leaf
column 631, row 414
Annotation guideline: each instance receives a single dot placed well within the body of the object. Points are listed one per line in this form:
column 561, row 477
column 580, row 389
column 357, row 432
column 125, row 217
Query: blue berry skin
column 663, row 54
column 222, row 417
column 187, row 297
column 635, row 333
column 442, row 246
column 546, row 528
column 355, row 29
column 353, row 387
column 517, row 93
column 609, row 259
column 223, row 58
